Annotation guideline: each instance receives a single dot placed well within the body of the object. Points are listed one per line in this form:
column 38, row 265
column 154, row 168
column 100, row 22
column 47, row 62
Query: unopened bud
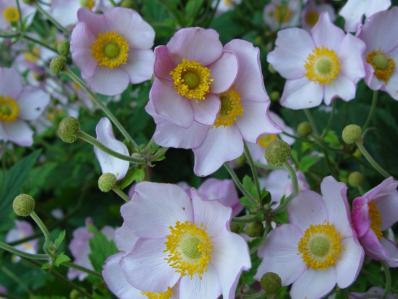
column 127, row 4
column 63, row 48
column 271, row 69
column 355, row 179
column 277, row 153
column 275, row 95
column 351, row 134
column 254, row 229
column 106, row 182
column 271, row 283
column 23, row 205
column 304, row 129
column 68, row 129
column 57, row 65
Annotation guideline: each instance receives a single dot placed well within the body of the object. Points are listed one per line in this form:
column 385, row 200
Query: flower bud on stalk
column 57, row 65
column 63, row 48
column 351, row 134
column 304, row 129
column 254, row 229
column 271, row 283
column 106, row 182
column 68, row 130
column 23, row 205
column 278, row 153
column 355, row 179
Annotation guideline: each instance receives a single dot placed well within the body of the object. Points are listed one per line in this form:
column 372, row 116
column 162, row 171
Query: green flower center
column 320, row 246
column 189, row 247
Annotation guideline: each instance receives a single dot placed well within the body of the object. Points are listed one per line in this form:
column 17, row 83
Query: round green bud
column 57, row 65
column 355, row 179
column 23, row 205
column 127, row 4
column 254, row 229
column 74, row 294
column 357, row 154
column 304, row 129
column 271, row 283
column 271, row 69
column 275, row 95
column 63, row 48
column 351, row 134
column 68, row 129
column 106, row 182
column 277, row 153
column 235, row 227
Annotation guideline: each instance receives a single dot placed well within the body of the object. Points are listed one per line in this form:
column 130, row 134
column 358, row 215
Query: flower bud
column 355, row 179
column 271, row 283
column 63, row 48
column 106, row 182
column 74, row 294
column 275, row 95
column 29, row 2
column 351, row 134
column 304, row 129
column 57, row 65
column 271, row 69
column 254, row 229
column 68, row 129
column 127, row 4
column 277, row 153
column 23, row 205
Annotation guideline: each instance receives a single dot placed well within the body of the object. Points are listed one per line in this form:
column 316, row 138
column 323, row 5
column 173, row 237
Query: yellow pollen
column 110, row 50
column 383, row 65
column 228, row 2
column 163, row 295
column 33, row 55
column 375, row 219
column 189, row 249
column 322, row 66
column 282, row 14
column 89, row 4
column 311, row 18
column 191, row 79
column 231, row 108
column 321, row 246
column 9, row 109
column 265, row 140
column 11, row 14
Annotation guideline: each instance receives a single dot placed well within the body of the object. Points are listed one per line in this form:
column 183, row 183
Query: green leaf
column 133, row 175
column 192, row 9
column 307, row 162
column 100, row 249
column 61, row 259
column 58, row 241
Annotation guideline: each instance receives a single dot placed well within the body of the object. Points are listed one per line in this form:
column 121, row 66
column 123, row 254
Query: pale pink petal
column 301, row 94
column 205, row 112
column 161, row 205
column 197, row 287
column 96, row 23
column 201, row 45
column 306, row 209
column 140, row 65
column 19, row 132
column 110, row 164
column 224, row 72
column 391, row 252
column 10, row 83
column 109, row 82
column 146, row 267
column 314, row 284
column 351, row 53
column 125, row 238
column 287, row 60
column 222, row 144
column 350, row 263
column 163, row 63
column 392, row 85
column 230, row 257
column 85, row 61
column 326, row 34
column 342, row 88
column 32, row 103
column 280, row 255
column 388, row 206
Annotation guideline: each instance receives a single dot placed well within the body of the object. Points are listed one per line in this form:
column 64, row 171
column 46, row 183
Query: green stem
column 329, row 123
column 254, row 170
column 103, row 107
column 238, row 183
column 8, row 248
column 20, row 25
column 81, row 269
column 372, row 109
column 312, row 122
column 36, row 41
column 293, row 176
column 121, row 194
column 51, row 19
column 372, row 161
column 387, row 274
column 245, row 219
column 44, row 230
column 94, row 142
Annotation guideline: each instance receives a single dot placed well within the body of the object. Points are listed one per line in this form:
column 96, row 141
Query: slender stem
column 94, row 142
column 372, row 109
column 121, row 194
column 372, row 161
column 387, row 274
column 293, row 177
column 312, row 122
column 16, row 279
column 238, row 183
column 326, row 130
column 9, row 34
column 36, row 41
column 20, row 25
column 51, row 19
column 82, row 269
column 39, row 257
column 102, row 106
column 245, row 219
column 113, row 2
column 253, row 169
column 44, row 230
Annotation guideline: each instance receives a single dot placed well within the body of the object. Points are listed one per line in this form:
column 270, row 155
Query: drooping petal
column 32, row 103
column 314, row 284
column 301, row 94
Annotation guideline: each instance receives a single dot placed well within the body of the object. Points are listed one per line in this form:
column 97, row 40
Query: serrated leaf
column 100, row 249
column 61, row 259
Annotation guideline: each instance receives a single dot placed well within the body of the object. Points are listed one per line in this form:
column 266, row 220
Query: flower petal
column 391, row 252
column 32, row 103
column 342, row 87
column 314, row 284
column 350, row 263
column 351, row 54
column 205, row 112
column 109, row 82
column 96, row 23
column 163, row 63
column 19, row 132
column 326, row 34
column 125, row 238
column 224, row 72
column 140, row 65
column 10, row 83
column 301, row 94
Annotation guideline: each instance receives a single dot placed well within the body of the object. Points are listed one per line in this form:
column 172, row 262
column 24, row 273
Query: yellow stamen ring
column 191, row 79
column 11, row 14
column 231, row 108
column 163, row 295
column 265, row 140
column 375, row 219
column 383, row 65
column 321, row 246
column 189, row 249
column 9, row 109
column 110, row 50
column 322, row 66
